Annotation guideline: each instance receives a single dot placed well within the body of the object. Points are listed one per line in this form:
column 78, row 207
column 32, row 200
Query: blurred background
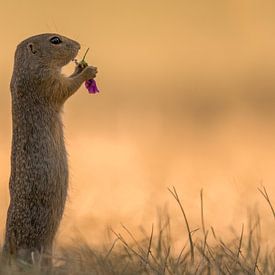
column 187, row 99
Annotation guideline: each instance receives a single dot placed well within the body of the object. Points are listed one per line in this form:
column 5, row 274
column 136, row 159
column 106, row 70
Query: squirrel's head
column 48, row 50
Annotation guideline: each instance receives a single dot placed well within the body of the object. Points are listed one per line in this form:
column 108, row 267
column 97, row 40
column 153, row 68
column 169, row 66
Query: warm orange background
column 187, row 99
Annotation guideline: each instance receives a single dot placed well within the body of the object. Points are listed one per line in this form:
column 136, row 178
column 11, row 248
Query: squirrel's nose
column 78, row 45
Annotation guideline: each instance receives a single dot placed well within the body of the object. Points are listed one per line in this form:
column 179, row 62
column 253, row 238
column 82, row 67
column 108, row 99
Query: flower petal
column 91, row 86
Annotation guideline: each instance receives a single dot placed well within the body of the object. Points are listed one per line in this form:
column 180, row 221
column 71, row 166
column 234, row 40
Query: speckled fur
column 39, row 170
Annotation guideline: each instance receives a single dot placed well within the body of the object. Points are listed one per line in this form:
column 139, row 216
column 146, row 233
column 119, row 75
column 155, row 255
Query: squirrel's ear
column 31, row 48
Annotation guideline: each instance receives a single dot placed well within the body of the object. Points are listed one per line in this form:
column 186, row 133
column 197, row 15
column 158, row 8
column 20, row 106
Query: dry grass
column 203, row 253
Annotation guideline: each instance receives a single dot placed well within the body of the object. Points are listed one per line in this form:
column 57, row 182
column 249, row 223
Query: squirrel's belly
column 39, row 168
column 38, row 186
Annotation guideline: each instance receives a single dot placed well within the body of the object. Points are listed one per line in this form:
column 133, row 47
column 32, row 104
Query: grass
column 203, row 252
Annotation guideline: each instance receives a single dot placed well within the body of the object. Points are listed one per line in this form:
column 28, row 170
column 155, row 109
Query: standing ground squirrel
column 39, row 170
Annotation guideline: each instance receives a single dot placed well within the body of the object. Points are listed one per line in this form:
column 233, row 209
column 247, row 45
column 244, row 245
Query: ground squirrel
column 39, row 170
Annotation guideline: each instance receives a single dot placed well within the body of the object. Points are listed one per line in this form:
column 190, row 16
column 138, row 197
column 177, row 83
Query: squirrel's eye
column 56, row 40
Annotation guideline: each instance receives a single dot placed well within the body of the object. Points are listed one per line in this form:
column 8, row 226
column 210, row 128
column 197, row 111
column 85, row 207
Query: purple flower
column 91, row 86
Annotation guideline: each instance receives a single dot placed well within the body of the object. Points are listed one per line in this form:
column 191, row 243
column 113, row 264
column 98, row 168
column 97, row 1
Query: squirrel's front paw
column 90, row 72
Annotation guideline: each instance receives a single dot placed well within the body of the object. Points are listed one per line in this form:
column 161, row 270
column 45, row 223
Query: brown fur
column 39, row 170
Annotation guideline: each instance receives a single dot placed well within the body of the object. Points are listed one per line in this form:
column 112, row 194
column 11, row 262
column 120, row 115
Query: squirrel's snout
column 77, row 45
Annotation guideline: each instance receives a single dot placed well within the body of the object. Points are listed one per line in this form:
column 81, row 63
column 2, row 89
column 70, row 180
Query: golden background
column 187, row 99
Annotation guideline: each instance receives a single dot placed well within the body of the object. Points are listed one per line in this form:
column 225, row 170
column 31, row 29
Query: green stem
column 85, row 54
